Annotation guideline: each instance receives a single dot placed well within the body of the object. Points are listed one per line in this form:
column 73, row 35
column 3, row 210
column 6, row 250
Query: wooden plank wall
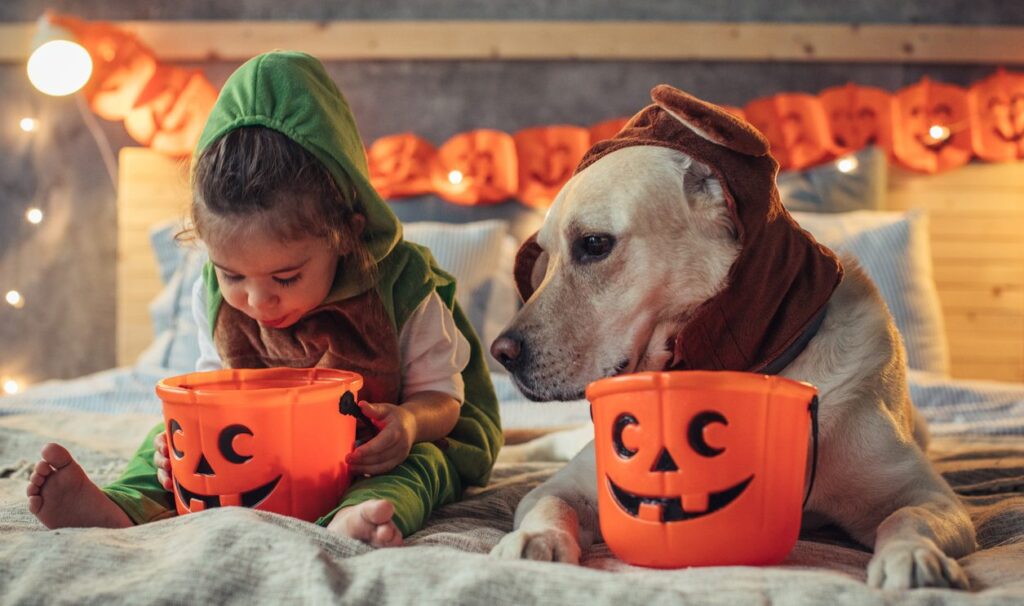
column 976, row 218
column 152, row 188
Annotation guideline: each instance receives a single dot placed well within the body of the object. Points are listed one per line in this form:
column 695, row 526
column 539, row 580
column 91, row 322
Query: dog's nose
column 507, row 349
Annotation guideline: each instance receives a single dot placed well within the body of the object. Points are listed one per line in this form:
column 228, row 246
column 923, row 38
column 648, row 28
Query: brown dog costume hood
column 782, row 279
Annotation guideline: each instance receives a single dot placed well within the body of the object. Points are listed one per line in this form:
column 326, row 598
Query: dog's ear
column 710, row 121
column 530, row 268
column 704, row 193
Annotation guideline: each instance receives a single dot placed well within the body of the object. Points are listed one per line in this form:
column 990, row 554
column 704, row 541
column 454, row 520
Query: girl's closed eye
column 232, row 277
column 288, row 281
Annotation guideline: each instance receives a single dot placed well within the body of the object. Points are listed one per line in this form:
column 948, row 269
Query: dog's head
column 632, row 245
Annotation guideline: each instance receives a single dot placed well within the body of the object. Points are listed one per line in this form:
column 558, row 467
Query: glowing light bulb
column 34, row 216
column 938, row 132
column 847, row 164
column 14, row 299
column 59, row 67
column 11, row 387
column 28, row 124
column 455, row 177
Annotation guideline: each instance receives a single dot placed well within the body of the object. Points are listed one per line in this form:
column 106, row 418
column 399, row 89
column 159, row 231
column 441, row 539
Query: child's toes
column 56, row 455
column 35, row 503
column 41, row 470
column 387, row 535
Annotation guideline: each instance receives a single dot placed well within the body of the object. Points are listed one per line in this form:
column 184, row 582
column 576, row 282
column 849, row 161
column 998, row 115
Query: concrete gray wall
column 65, row 267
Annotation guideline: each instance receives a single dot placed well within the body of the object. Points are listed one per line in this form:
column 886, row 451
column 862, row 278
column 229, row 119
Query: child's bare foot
column 61, row 495
column 369, row 522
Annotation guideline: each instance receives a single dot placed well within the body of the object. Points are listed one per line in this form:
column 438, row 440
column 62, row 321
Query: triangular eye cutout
column 203, row 468
column 665, row 462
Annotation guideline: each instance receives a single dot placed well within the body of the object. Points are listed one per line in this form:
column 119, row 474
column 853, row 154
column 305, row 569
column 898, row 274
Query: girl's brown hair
column 255, row 178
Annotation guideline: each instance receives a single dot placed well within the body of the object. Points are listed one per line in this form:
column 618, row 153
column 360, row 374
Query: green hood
column 291, row 93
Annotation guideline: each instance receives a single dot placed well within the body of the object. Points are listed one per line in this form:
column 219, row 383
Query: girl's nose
column 261, row 299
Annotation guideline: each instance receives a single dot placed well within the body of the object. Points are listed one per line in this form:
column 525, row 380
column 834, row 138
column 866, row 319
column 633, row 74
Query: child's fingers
column 160, row 443
column 161, row 462
column 376, row 412
column 165, row 479
column 383, row 441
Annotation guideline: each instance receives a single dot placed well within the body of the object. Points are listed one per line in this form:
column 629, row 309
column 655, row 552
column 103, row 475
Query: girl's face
column 274, row 282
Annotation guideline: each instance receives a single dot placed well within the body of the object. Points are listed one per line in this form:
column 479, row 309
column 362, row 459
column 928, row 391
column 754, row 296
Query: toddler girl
column 308, row 268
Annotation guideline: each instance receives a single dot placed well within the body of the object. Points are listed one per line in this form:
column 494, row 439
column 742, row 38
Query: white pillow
column 480, row 256
column 894, row 250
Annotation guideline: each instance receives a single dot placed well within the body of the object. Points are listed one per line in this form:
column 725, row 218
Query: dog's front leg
column 557, row 520
column 889, row 495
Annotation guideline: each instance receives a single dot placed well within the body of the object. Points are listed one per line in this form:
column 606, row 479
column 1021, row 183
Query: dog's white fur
column 674, row 244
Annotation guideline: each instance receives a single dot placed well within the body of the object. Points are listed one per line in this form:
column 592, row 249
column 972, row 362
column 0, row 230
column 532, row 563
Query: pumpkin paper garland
column 997, row 117
column 932, row 128
column 400, row 165
column 928, row 126
column 859, row 116
column 796, row 126
column 548, row 155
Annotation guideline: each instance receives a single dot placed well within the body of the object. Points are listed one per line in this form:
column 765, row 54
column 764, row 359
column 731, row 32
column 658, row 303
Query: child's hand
column 389, row 447
column 163, row 464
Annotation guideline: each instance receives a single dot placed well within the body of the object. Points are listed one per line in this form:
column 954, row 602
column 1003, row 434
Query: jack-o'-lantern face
column 213, row 477
column 997, row 116
column 547, row 157
column 859, row 116
column 932, row 131
column 679, row 464
column 795, row 125
column 400, row 165
column 476, row 167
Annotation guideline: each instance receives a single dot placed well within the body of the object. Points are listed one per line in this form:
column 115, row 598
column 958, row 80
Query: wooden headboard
column 977, row 222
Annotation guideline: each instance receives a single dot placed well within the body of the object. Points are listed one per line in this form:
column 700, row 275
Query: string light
column 938, row 132
column 847, row 164
column 59, row 67
column 28, row 124
column 34, row 216
column 455, row 177
column 11, row 386
column 14, row 299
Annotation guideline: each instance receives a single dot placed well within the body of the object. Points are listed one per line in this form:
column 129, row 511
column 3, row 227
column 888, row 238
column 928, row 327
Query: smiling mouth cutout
column 250, row 498
column 670, row 509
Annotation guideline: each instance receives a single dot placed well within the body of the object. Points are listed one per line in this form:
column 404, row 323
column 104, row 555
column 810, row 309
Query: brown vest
column 354, row 334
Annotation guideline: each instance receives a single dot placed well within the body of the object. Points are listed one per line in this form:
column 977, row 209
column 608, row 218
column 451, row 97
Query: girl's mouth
column 274, row 323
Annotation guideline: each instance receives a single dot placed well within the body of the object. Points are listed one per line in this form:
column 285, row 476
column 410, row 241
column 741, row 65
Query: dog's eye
column 593, row 247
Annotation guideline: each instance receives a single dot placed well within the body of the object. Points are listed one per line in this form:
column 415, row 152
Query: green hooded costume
column 358, row 324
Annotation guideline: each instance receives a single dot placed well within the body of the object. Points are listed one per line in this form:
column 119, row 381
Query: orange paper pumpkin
column 931, row 127
column 476, row 167
column 400, row 165
column 607, row 129
column 859, row 116
column 170, row 112
column 271, row 439
column 548, row 155
column 997, row 116
column 796, row 126
column 700, row 468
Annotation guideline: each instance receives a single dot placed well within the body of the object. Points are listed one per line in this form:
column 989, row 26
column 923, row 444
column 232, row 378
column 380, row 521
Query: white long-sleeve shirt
column 433, row 351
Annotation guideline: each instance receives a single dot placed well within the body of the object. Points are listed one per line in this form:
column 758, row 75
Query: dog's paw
column 914, row 563
column 551, row 545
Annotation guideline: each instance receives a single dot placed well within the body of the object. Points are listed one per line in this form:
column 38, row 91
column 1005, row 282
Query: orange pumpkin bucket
column 700, row 468
column 271, row 439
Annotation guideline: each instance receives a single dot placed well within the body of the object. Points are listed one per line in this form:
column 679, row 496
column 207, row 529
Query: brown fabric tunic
column 353, row 334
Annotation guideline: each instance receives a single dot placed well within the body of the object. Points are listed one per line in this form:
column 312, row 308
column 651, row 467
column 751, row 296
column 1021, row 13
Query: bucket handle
column 813, row 408
column 365, row 429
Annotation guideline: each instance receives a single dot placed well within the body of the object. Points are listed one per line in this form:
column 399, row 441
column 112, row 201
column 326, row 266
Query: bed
column 957, row 339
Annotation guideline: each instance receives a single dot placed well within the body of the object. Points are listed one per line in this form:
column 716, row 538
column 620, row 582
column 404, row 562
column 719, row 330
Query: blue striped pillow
column 894, row 250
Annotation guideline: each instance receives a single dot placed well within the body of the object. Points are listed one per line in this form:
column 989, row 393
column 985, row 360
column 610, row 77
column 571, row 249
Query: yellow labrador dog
column 634, row 247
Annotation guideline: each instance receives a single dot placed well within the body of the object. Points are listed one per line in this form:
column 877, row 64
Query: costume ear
column 710, row 121
column 530, row 268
